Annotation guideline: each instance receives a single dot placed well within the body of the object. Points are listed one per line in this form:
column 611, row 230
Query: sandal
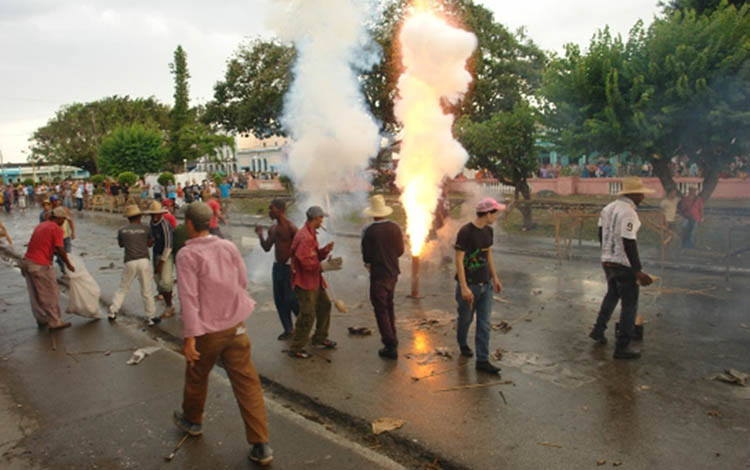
column 326, row 344
column 299, row 354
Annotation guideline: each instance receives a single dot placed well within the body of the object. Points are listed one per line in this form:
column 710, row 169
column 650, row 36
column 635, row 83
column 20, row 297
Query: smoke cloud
column 434, row 57
column 333, row 135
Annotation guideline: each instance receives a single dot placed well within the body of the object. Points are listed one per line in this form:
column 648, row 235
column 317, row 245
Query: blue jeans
column 483, row 307
column 688, row 233
column 283, row 295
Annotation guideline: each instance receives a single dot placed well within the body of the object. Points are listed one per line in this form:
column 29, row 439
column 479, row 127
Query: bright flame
column 434, row 58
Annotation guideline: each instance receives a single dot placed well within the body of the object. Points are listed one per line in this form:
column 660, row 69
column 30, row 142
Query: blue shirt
column 225, row 190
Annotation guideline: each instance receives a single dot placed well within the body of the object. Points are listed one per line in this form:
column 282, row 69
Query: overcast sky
column 54, row 52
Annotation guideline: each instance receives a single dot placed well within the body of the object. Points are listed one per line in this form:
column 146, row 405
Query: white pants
column 142, row 269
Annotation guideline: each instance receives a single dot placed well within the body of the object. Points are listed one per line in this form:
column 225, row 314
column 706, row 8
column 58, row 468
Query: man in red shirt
column 169, row 215
column 44, row 294
column 691, row 207
column 310, row 287
column 210, row 199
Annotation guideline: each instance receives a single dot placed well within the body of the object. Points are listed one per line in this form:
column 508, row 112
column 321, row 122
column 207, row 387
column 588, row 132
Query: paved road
column 569, row 404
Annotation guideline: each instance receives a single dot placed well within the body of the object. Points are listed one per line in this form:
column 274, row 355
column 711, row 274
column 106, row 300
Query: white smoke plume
column 434, row 57
column 333, row 135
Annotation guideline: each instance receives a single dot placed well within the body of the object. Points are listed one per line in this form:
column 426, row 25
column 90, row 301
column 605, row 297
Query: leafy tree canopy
column 73, row 136
column 133, row 148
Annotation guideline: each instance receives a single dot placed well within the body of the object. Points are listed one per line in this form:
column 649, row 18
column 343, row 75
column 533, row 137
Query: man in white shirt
column 618, row 228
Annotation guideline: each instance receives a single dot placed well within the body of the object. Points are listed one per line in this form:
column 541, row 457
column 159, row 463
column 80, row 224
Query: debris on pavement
column 359, row 331
column 537, row 291
column 141, row 354
column 714, row 413
column 599, row 463
column 617, row 463
column 549, row 444
column 434, row 374
column 502, row 395
column 733, row 376
column 472, row 386
column 169, row 457
column 503, row 326
column 644, row 388
column 498, row 354
column 110, row 266
column 497, row 298
column 382, row 425
column 443, row 351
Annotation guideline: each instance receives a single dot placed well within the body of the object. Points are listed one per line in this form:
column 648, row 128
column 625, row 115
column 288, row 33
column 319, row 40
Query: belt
column 608, row 264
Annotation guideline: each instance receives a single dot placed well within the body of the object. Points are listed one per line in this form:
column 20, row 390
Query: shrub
column 28, row 182
column 98, row 179
column 165, row 178
column 127, row 178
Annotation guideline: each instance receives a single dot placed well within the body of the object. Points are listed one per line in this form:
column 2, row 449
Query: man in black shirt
column 476, row 276
column 382, row 244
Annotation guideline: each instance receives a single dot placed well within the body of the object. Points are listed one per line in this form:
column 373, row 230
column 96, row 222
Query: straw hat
column 132, row 211
column 155, row 208
column 377, row 207
column 634, row 186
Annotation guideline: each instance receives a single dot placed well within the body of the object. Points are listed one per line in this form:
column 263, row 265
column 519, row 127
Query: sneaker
column 466, row 351
column 486, row 366
column 627, row 353
column 261, row 454
column 194, row 429
column 326, row 344
column 388, row 353
column 153, row 321
column 598, row 336
column 285, row 336
column 112, row 316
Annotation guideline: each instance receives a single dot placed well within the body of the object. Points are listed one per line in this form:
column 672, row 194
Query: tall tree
column 700, row 6
column 73, row 135
column 681, row 88
column 504, row 145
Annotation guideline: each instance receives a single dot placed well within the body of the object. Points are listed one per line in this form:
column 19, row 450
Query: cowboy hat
column 634, row 186
column 155, row 208
column 132, row 211
column 377, row 207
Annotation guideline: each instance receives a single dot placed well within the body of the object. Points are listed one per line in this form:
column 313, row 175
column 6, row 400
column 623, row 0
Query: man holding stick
column 212, row 281
column 618, row 227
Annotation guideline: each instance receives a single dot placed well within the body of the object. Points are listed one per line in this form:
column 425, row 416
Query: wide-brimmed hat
column 60, row 213
column 634, row 186
column 378, row 208
column 155, row 208
column 132, row 211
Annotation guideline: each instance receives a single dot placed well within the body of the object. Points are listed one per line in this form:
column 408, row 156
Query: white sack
column 83, row 292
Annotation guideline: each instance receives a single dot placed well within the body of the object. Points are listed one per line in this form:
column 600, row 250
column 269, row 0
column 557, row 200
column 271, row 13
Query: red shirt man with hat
column 44, row 294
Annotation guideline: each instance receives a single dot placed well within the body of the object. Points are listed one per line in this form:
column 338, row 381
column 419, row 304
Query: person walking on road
column 476, row 278
column 618, row 229
column 212, row 281
column 136, row 239
column 44, row 294
column 281, row 235
column 210, row 198
column 382, row 245
column 162, row 233
column 691, row 208
column 310, row 287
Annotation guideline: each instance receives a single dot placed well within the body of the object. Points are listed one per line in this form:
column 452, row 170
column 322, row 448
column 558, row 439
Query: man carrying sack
column 618, row 227
column 44, row 293
column 382, row 245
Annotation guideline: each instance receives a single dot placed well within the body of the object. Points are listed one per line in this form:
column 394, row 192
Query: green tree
column 700, row 6
column 133, row 148
column 165, row 178
column 127, row 178
column 250, row 99
column 505, row 145
column 681, row 88
column 73, row 135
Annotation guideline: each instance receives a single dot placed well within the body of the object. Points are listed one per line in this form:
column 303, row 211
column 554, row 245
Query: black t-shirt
column 476, row 243
column 382, row 245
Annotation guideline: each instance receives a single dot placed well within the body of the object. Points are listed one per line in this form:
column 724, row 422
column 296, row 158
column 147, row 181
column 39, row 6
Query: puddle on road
column 562, row 375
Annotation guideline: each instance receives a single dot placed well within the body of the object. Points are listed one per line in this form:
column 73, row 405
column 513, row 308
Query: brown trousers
column 233, row 346
column 44, row 294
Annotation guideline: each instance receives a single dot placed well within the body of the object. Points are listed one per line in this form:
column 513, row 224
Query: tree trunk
column 662, row 171
column 710, row 181
column 525, row 190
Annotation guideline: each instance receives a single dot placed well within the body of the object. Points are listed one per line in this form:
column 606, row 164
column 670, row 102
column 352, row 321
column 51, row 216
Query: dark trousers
column 68, row 247
column 233, row 347
column 621, row 286
column 381, row 296
column 283, row 295
column 79, row 203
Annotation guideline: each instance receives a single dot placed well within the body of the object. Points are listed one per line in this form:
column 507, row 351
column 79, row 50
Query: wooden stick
column 472, row 386
column 435, row 374
column 169, row 457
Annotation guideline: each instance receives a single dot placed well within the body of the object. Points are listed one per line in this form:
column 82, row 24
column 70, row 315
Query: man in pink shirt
column 212, row 281
column 310, row 287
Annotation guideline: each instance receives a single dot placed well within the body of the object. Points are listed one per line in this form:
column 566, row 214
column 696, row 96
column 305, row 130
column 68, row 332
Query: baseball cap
column 60, row 213
column 53, row 198
column 488, row 204
column 314, row 212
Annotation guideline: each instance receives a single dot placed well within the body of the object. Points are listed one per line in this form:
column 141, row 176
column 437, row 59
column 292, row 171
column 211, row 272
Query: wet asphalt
column 565, row 403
